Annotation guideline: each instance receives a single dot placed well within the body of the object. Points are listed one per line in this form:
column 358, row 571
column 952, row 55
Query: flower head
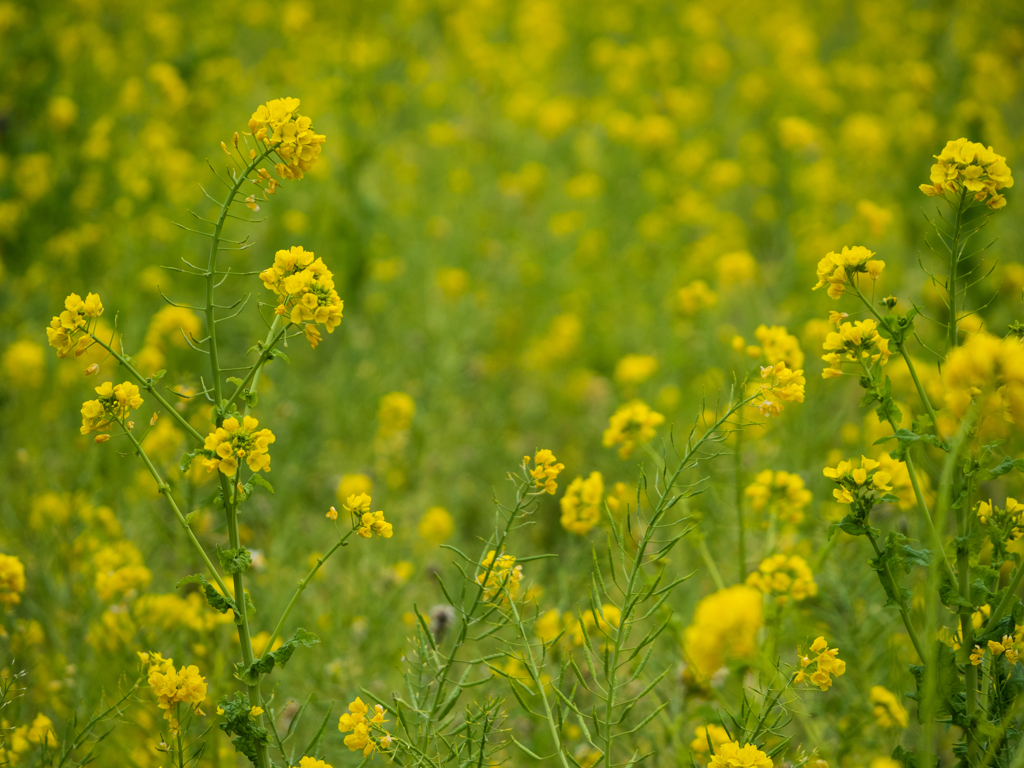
column 784, row 577
column 233, row 442
column 69, row 330
column 632, row 425
column 184, row 686
column 857, row 342
column 12, row 580
column 827, row 665
column 305, row 290
column 732, row 755
column 972, row 168
column 837, row 270
column 581, row 504
column 114, row 404
column 499, row 576
column 278, row 124
column 546, row 468
column 362, row 725
column 888, row 711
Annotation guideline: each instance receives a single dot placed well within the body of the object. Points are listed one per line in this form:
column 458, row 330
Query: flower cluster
column 374, row 525
column 715, row 734
column 782, row 494
column 581, row 504
column 865, row 479
column 361, row 724
column 12, row 580
column 1008, row 520
column 784, row 577
column 972, row 167
column 887, row 709
column 779, row 385
column 70, row 327
column 996, row 648
column 278, row 124
column 725, row 626
column 632, row 425
column 988, row 370
column 827, row 665
column 114, row 404
column 305, row 289
column 856, row 342
column 546, row 469
column 312, row 762
column 499, row 577
column 777, row 345
column 732, row 755
column 184, row 686
column 837, row 269
column 233, row 442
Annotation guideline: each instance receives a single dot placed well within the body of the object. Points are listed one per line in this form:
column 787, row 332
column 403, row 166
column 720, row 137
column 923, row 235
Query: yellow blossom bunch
column 836, row 270
column 114, row 404
column 500, row 576
column 20, row 740
column 635, row 369
column 827, row 665
column 581, row 504
column 782, row 494
column 856, row 342
column 732, row 755
column 715, row 734
column 278, row 125
column 692, row 298
column 867, row 478
column 184, row 686
column 374, row 524
column 785, row 578
column 632, row 425
column 779, row 346
column 305, row 289
column 888, row 711
column 988, row 370
column 997, row 648
column 233, row 442
column 12, row 580
column 70, row 327
column 546, row 469
column 780, row 385
column 1009, row 519
column 119, row 570
column 359, row 724
column 312, row 762
column 725, row 626
column 902, row 485
column 971, row 168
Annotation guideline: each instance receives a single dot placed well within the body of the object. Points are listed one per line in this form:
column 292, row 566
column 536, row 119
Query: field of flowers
column 483, row 382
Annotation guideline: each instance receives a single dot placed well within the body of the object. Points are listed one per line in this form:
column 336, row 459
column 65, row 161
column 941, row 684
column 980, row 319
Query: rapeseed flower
column 114, row 404
column 857, row 342
column 837, row 270
column 853, row 483
column 827, row 665
column 888, row 711
column 782, row 494
column 69, row 330
column 725, row 626
column 973, row 169
column 12, row 580
column 500, row 577
column 278, row 124
column 581, row 504
column 233, row 442
column 546, row 469
column 785, row 578
column 732, row 755
column 305, row 290
column 632, row 425
column 361, row 726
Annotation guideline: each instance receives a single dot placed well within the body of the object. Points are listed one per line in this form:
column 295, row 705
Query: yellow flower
column 69, row 330
column 973, row 168
column 635, row 369
column 725, row 626
column 779, row 346
column 977, row 655
column 24, row 363
column 780, row 385
column 185, row 686
column 827, row 665
column 232, row 442
column 546, row 469
column 305, row 290
column 499, row 576
column 362, row 725
column 581, row 504
column 863, row 480
column 732, row 755
column 785, row 578
column 857, row 342
column 350, row 485
column 836, row 269
column 716, row 734
column 278, row 124
column 692, row 298
column 887, row 710
column 632, row 425
column 374, row 525
column 115, row 402
column 358, row 503
column 312, row 762
column 12, row 580
column 990, row 371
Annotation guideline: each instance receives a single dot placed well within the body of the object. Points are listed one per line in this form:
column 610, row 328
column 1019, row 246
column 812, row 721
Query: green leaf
column 234, row 380
column 234, row 560
column 261, row 481
column 217, row 601
column 263, row 666
column 249, row 735
column 950, row 697
column 949, row 594
column 525, row 749
column 186, row 458
column 1008, row 464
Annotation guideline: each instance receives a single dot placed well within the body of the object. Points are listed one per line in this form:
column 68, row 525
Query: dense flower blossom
column 836, row 270
column 732, row 755
column 365, row 731
column 857, row 342
column 233, row 442
column 827, row 665
column 1008, row 519
column 499, row 576
column 779, row 346
column 887, row 709
column 312, row 762
column 546, row 468
column 779, row 385
column 69, row 330
column 278, row 124
column 114, row 404
column 725, row 626
column 785, row 578
column 184, row 686
column 865, row 479
column 632, row 425
column 581, row 504
column 702, row 735
column 782, row 494
column 972, row 168
column 374, row 524
column 305, row 290
column 990, row 371
column 12, row 580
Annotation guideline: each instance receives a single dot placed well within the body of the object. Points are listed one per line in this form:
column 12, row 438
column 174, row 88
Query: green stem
column 901, row 603
column 741, row 545
column 302, row 588
column 252, row 378
column 147, row 385
column 954, row 262
column 705, row 554
column 165, row 491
